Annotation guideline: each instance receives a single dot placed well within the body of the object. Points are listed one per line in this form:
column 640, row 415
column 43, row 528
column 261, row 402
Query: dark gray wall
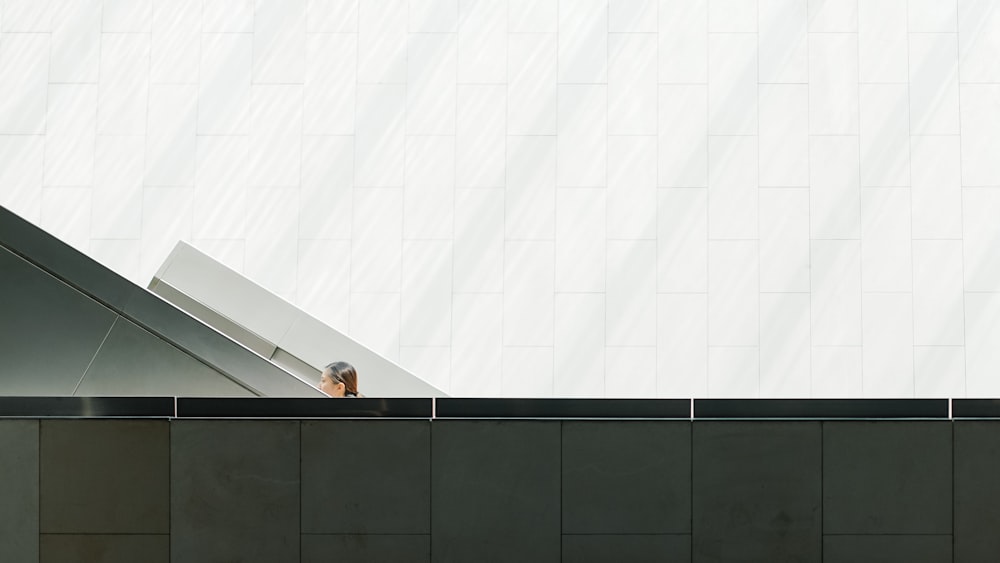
column 450, row 490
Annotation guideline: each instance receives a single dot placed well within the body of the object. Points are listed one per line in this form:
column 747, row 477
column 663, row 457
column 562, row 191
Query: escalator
column 70, row 326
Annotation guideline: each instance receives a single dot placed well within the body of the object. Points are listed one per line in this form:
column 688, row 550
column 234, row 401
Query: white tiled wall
column 596, row 198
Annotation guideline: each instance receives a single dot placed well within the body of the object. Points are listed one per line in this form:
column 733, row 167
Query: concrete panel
column 130, row 548
column 407, row 548
column 48, row 331
column 646, row 548
column 234, row 491
column 134, row 362
column 495, row 491
column 756, row 492
column 977, row 490
column 105, row 476
column 19, row 490
column 626, row 477
column 887, row 549
column 366, row 477
column 887, row 477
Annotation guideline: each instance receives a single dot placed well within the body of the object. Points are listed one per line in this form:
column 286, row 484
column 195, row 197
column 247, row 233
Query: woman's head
column 339, row 379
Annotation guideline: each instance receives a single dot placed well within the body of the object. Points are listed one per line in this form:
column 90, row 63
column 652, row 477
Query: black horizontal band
column 975, row 408
column 84, row 407
column 563, row 408
column 260, row 407
column 821, row 408
column 253, row 407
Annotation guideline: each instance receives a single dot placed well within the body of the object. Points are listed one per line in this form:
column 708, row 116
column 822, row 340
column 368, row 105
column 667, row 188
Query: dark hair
column 343, row 372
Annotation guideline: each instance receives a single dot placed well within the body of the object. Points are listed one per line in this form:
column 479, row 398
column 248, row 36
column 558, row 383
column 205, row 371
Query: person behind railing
column 339, row 379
